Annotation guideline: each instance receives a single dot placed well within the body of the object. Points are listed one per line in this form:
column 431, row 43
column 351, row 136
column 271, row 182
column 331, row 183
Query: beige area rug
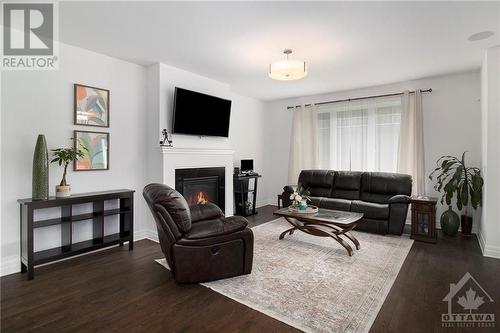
column 311, row 282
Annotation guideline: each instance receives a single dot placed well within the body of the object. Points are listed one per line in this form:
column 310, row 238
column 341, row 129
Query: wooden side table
column 423, row 219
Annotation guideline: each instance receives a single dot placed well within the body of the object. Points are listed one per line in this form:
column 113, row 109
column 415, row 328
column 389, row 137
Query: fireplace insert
column 202, row 185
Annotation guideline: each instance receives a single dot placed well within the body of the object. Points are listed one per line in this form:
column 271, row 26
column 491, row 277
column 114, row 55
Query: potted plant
column 300, row 197
column 64, row 156
column 455, row 179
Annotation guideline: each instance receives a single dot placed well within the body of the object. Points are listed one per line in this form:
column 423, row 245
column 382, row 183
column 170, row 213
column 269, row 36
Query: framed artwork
column 96, row 153
column 91, row 106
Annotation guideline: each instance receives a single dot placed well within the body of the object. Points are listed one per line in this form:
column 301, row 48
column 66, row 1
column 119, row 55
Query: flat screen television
column 199, row 114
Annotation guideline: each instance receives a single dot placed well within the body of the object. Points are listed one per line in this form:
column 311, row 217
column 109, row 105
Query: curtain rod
column 359, row 98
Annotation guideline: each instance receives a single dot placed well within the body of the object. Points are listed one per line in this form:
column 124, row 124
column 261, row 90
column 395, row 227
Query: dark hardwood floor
column 117, row 290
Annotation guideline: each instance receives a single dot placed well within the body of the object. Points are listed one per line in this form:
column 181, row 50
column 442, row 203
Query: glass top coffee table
column 325, row 223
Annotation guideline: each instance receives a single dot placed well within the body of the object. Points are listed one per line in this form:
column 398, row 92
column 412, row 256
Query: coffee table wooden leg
column 343, row 243
column 291, row 230
column 353, row 239
column 339, row 231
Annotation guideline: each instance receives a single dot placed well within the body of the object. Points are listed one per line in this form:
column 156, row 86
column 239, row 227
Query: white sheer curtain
column 376, row 134
column 411, row 144
column 304, row 142
column 359, row 135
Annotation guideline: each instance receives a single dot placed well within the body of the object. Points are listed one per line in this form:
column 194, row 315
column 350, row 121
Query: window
column 361, row 135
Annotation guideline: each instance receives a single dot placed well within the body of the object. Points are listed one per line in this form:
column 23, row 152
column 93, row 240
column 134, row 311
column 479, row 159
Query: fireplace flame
column 197, row 198
column 201, row 198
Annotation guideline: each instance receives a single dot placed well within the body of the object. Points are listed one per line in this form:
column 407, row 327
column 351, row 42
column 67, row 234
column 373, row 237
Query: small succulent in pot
column 300, row 197
column 64, row 156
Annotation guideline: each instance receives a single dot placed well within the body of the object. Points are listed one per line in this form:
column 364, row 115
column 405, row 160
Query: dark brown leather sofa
column 382, row 197
column 199, row 243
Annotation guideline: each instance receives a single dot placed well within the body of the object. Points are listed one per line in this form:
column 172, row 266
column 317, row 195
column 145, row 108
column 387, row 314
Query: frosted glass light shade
column 287, row 70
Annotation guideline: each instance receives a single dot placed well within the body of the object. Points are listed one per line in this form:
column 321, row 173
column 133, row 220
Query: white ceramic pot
column 63, row 191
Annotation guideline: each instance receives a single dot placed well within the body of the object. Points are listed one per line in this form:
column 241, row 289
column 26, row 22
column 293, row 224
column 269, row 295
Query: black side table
column 242, row 191
column 423, row 219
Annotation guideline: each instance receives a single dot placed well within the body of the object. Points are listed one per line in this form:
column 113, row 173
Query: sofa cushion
column 216, row 227
column 336, row 204
column 381, row 186
column 316, row 201
column 319, row 182
column 371, row 210
column 346, row 185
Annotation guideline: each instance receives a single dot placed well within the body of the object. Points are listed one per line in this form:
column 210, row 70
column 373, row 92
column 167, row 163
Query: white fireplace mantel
column 181, row 158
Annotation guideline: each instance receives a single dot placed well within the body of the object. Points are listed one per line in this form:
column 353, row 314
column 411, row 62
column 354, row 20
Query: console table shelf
column 30, row 258
column 79, row 217
column 61, row 252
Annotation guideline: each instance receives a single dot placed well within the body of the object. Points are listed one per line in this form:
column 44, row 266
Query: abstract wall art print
column 91, row 106
column 95, row 146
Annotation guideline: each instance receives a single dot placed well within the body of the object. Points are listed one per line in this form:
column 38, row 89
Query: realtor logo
column 469, row 305
column 29, row 36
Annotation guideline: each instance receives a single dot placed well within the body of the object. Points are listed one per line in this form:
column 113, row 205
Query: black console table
column 68, row 248
column 242, row 191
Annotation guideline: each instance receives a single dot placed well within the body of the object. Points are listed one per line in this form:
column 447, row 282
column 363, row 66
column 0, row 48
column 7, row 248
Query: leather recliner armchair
column 199, row 243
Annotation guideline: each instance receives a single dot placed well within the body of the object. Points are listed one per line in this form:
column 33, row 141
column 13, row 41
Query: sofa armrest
column 400, row 198
column 205, row 212
column 287, row 192
column 398, row 211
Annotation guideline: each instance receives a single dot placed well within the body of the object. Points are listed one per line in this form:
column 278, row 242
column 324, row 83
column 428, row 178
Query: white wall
column 452, row 122
column 36, row 102
column 489, row 233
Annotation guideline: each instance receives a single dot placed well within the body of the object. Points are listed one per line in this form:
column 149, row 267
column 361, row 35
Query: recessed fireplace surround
column 202, row 185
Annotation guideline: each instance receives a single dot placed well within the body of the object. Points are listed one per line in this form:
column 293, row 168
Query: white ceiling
column 346, row 44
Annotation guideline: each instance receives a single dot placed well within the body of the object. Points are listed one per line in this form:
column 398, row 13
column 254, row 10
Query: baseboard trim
column 151, row 235
column 266, row 202
column 480, row 240
column 10, row 265
column 487, row 250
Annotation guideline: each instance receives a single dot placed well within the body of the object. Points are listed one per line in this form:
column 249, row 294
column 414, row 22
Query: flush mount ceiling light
column 287, row 70
column 481, row 35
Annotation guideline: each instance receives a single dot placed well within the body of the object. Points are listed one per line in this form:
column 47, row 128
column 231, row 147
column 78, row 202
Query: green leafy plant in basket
column 454, row 179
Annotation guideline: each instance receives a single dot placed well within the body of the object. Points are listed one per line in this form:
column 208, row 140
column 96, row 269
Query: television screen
column 199, row 114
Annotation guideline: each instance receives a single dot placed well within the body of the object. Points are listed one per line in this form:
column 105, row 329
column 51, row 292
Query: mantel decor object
column 167, row 139
column 40, row 181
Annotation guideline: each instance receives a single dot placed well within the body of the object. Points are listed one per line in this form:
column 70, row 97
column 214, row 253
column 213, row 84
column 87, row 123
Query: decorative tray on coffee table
column 311, row 209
